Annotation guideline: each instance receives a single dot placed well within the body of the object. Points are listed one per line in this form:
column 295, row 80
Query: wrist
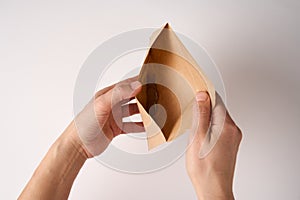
column 70, row 138
column 212, row 190
column 215, row 197
column 59, row 168
column 212, row 195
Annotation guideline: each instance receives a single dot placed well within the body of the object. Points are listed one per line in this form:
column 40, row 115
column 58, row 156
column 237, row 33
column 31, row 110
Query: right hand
column 212, row 173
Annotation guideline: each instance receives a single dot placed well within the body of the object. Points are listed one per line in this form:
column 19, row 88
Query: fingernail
column 134, row 85
column 201, row 96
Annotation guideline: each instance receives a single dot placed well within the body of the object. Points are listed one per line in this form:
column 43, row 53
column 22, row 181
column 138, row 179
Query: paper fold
column 170, row 78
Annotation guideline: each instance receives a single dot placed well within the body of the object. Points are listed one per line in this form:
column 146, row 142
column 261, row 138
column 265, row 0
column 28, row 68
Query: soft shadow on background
column 255, row 44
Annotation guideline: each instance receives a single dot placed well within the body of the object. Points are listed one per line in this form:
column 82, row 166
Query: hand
column 210, row 169
column 101, row 120
column 88, row 135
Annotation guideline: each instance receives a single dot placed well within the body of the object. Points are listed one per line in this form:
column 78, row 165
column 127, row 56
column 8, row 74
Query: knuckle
column 122, row 91
column 204, row 110
column 239, row 133
column 118, row 93
column 118, row 89
column 234, row 131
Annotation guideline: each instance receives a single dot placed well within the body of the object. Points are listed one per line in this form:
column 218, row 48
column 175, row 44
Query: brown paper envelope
column 170, row 78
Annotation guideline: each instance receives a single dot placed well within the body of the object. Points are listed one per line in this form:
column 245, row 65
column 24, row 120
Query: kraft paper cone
column 170, row 78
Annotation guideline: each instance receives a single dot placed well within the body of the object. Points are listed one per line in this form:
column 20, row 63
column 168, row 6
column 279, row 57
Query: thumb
column 203, row 113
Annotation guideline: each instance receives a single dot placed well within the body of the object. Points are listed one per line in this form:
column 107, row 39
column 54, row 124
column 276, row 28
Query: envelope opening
column 170, row 78
column 162, row 105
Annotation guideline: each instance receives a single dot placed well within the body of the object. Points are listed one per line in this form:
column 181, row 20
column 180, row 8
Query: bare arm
column 87, row 136
column 54, row 176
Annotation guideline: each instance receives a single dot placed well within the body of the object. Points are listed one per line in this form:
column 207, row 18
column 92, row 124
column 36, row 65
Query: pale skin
column 211, row 176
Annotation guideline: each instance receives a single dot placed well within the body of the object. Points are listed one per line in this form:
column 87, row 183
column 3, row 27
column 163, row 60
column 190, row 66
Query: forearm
column 55, row 175
column 212, row 194
column 213, row 185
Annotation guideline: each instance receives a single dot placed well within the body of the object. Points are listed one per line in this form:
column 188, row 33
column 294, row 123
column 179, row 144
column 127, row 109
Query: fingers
column 132, row 79
column 133, row 127
column 129, row 109
column 221, row 120
column 122, row 92
column 203, row 113
column 106, row 89
column 218, row 117
column 219, row 114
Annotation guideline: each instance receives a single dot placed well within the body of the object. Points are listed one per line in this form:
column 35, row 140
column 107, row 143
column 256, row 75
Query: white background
column 255, row 44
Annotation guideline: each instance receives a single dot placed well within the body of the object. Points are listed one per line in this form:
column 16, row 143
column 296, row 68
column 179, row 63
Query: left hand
column 101, row 120
column 88, row 135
